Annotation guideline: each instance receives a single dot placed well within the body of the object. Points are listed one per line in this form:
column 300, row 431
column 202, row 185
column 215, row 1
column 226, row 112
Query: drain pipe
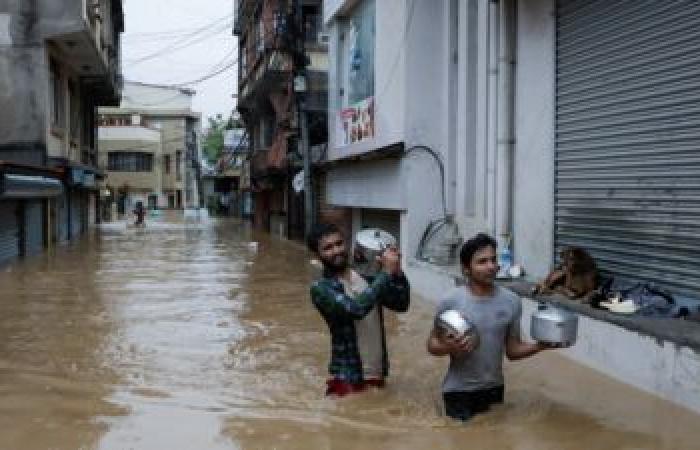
column 505, row 134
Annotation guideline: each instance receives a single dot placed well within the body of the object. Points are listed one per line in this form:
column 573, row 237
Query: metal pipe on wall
column 505, row 126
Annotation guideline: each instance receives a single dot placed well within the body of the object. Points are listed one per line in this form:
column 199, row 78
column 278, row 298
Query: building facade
column 555, row 123
column 150, row 147
column 59, row 60
column 280, row 40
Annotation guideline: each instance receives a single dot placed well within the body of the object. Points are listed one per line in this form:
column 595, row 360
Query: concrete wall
column 534, row 125
column 139, row 96
column 115, row 139
column 389, row 79
column 173, row 129
column 412, row 104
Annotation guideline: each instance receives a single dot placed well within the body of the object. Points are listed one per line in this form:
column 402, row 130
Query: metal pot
column 369, row 244
column 452, row 324
column 553, row 325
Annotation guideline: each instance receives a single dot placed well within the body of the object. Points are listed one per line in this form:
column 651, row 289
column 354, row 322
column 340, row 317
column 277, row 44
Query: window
column 166, row 164
column 57, row 98
column 355, row 118
column 129, row 162
column 243, row 52
column 178, row 163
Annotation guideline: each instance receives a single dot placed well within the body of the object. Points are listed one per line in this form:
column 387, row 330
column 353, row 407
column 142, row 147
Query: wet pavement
column 187, row 336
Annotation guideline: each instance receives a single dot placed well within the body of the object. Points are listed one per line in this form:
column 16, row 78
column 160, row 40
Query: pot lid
column 375, row 239
column 554, row 314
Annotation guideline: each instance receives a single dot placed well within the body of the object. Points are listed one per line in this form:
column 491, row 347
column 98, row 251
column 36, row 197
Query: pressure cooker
column 369, row 244
column 552, row 325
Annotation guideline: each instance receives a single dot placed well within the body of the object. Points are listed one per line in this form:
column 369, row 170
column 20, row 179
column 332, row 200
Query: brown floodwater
column 187, row 336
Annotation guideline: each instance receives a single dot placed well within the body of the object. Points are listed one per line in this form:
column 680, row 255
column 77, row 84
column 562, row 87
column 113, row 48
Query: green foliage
column 214, row 138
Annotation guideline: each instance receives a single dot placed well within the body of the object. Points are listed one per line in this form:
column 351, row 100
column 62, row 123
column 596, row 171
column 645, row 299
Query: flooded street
column 186, row 336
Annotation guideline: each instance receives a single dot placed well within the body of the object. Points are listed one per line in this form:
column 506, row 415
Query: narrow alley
column 188, row 335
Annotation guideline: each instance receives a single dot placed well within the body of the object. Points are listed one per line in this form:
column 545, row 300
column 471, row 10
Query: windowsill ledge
column 681, row 332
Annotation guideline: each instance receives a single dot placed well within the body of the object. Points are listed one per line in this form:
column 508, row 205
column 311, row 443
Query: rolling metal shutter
column 76, row 222
column 627, row 159
column 9, row 231
column 63, row 217
column 33, row 227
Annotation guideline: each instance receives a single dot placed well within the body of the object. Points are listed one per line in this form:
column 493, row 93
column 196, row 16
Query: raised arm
column 337, row 304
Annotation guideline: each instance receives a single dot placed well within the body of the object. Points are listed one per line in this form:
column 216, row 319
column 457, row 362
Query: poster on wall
column 356, row 123
column 356, row 117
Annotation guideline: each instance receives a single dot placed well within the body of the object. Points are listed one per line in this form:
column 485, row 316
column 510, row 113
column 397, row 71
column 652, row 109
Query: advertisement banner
column 356, row 123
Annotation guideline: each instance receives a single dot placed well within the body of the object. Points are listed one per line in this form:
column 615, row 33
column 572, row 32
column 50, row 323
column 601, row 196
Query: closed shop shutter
column 385, row 219
column 63, row 219
column 627, row 158
column 9, row 231
column 76, row 222
column 34, row 227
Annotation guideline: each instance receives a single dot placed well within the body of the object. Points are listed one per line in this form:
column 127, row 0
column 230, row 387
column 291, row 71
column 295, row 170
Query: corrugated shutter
column 62, row 217
column 9, row 231
column 33, row 227
column 76, row 222
column 385, row 219
column 628, row 137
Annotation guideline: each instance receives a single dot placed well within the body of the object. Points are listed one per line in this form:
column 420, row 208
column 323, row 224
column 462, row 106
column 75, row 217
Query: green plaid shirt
column 340, row 312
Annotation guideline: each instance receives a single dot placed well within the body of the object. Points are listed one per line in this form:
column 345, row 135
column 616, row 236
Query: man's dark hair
column 473, row 245
column 319, row 232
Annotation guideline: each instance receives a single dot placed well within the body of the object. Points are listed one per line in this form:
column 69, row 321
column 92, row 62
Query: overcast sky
column 176, row 41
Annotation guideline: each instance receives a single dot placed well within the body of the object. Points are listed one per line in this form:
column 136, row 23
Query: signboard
column 356, row 123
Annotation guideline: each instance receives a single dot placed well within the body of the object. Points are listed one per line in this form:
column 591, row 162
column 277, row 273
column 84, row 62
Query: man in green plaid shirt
column 352, row 308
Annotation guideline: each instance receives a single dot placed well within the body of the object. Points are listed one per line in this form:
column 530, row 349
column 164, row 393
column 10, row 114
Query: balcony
column 274, row 68
column 88, row 34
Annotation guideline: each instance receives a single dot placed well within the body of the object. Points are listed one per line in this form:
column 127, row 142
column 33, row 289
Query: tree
column 214, row 138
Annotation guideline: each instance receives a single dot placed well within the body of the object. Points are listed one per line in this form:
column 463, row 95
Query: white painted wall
column 389, row 79
column 534, row 125
column 412, row 107
column 139, row 96
column 131, row 133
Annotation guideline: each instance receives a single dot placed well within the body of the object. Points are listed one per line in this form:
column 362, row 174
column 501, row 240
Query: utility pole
column 300, row 90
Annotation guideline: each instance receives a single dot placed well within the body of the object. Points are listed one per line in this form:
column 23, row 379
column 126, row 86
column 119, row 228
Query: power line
column 186, row 40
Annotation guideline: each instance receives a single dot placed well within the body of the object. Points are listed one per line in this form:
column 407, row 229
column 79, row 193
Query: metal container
column 453, row 325
column 369, row 244
column 551, row 325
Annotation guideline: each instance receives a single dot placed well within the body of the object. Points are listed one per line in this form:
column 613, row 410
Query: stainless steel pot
column 553, row 325
column 453, row 325
column 369, row 244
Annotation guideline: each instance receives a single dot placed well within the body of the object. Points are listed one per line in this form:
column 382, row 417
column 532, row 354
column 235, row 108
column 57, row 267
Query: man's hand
column 460, row 346
column 390, row 260
column 440, row 345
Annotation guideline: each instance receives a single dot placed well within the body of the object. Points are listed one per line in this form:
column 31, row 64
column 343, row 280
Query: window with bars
column 130, row 162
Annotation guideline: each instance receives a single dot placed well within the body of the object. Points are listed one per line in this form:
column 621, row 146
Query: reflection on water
column 183, row 336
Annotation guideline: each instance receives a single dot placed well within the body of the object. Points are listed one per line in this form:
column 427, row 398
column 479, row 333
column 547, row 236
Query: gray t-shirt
column 495, row 318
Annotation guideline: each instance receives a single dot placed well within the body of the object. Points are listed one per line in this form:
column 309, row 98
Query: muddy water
column 184, row 336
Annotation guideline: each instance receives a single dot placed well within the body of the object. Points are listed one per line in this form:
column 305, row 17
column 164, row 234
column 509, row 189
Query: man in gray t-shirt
column 474, row 380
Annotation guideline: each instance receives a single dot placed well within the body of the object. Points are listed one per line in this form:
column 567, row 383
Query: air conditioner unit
column 323, row 38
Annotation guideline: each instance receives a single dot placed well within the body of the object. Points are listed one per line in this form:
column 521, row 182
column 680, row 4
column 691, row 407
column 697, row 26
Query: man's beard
column 336, row 264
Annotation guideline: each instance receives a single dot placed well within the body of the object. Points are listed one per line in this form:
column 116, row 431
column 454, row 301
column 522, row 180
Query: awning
column 29, row 186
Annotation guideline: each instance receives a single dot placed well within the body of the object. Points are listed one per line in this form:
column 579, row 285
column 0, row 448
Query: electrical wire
column 188, row 40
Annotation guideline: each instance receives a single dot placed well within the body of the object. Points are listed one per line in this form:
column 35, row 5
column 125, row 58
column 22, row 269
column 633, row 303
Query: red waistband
column 341, row 388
